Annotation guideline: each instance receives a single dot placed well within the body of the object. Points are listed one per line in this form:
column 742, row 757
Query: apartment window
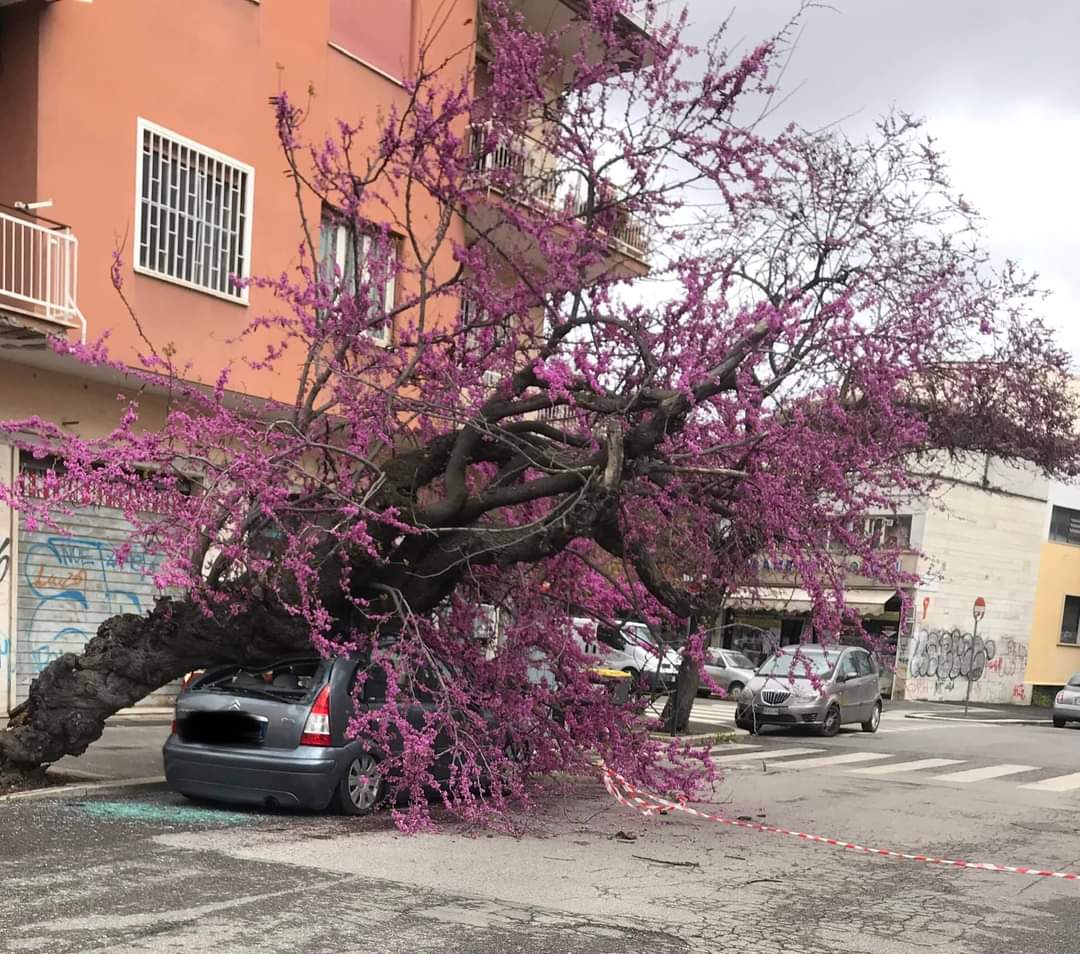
column 342, row 248
column 1070, row 620
column 193, row 213
column 1065, row 526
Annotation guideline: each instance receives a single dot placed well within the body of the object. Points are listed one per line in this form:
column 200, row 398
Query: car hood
column 798, row 687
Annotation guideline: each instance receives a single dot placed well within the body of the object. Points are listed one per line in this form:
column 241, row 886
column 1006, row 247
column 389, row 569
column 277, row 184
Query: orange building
column 143, row 126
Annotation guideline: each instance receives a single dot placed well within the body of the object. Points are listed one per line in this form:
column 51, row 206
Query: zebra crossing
column 707, row 713
column 802, row 758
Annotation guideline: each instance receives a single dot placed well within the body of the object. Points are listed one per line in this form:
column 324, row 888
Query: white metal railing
column 521, row 164
column 38, row 269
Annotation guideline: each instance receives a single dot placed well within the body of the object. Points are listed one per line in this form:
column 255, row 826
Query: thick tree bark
column 676, row 717
column 130, row 657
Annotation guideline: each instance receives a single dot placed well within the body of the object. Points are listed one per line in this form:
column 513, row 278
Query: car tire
column 830, row 725
column 871, row 724
column 1059, row 723
column 635, row 679
column 734, row 688
column 361, row 788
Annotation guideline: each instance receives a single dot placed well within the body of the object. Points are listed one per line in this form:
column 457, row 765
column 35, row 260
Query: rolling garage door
column 69, row 582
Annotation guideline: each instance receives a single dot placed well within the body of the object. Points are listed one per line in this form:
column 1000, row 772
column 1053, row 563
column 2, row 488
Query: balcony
column 38, row 268
column 522, row 169
column 561, row 19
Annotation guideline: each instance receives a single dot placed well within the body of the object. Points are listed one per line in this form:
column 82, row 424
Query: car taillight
column 317, row 728
column 173, row 729
column 1060, row 697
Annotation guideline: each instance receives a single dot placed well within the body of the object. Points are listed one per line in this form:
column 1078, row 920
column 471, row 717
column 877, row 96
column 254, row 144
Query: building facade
column 1054, row 652
column 143, row 128
column 980, row 537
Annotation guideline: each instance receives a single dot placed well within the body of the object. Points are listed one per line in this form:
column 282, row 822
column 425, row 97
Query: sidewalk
column 129, row 748
column 983, row 712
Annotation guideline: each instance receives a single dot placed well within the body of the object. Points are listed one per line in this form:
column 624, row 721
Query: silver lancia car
column 818, row 686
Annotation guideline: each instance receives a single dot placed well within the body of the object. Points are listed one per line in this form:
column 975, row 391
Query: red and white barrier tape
column 649, row 804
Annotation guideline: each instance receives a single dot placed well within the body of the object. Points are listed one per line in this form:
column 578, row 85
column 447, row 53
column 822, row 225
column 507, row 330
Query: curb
column 929, row 717
column 64, row 791
column 714, row 737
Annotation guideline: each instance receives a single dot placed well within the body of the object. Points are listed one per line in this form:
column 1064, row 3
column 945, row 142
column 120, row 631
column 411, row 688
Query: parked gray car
column 812, row 685
column 1067, row 702
column 730, row 670
column 274, row 735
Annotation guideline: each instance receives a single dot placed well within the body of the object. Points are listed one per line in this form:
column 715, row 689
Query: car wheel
column 831, row 724
column 635, row 678
column 734, row 688
column 1059, row 723
column 871, row 724
column 362, row 787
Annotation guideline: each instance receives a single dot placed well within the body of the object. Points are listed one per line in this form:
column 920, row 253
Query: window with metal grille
column 342, row 248
column 1065, row 526
column 193, row 213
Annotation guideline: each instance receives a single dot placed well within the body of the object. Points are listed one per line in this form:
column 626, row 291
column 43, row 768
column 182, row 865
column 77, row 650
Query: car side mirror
column 842, row 677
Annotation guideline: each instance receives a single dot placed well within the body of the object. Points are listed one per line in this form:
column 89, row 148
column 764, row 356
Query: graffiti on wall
column 944, row 659
column 949, row 654
column 75, row 583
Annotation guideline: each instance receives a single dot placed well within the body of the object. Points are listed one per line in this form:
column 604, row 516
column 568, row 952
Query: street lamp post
column 978, row 611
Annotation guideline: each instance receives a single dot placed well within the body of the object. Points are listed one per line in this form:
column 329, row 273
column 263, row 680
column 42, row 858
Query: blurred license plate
column 769, row 710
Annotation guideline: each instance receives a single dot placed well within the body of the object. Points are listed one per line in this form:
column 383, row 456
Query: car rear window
column 739, row 661
column 1074, row 680
column 290, row 680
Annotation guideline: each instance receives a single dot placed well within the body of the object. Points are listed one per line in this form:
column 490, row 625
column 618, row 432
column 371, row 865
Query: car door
column 613, row 649
column 716, row 667
column 847, row 675
column 867, row 683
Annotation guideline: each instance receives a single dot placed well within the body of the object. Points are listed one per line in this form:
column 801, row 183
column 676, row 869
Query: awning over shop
column 787, row 599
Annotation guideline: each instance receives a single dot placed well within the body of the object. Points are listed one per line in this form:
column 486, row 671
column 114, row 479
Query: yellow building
column 1054, row 653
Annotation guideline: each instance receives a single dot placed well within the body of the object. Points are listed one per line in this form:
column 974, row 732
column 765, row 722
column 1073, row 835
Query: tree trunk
column 130, row 657
column 677, row 717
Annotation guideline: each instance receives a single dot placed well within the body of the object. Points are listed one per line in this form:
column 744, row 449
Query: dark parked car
column 275, row 736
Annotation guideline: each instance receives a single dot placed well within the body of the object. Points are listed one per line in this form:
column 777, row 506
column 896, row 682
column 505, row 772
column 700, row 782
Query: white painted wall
column 978, row 542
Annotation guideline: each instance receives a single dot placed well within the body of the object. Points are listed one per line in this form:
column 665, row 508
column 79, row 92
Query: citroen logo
column 234, row 705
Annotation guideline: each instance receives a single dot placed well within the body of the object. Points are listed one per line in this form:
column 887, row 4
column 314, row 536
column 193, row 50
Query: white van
column 631, row 648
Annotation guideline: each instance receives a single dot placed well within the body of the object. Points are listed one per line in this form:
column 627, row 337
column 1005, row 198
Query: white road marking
column 983, row 774
column 767, row 755
column 1060, row 783
column 906, row 766
column 844, row 759
column 721, row 749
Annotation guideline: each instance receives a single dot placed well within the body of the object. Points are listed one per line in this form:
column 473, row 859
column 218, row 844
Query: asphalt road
column 146, row 871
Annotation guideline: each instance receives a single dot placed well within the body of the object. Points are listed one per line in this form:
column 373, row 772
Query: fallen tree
column 552, row 431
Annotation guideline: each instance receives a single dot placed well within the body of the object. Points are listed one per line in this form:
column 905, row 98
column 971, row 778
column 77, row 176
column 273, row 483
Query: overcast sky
column 999, row 83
